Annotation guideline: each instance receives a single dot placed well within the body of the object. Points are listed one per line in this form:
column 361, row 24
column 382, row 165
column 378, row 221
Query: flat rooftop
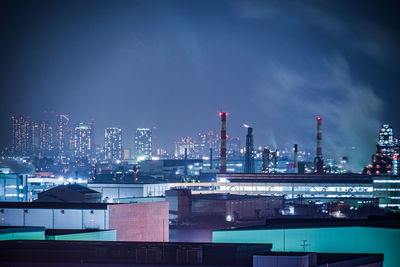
column 387, row 221
column 350, row 178
column 53, row 205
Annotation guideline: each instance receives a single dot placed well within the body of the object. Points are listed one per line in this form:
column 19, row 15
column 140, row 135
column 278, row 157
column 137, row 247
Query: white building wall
column 12, row 217
column 38, row 217
column 55, row 218
column 94, row 219
column 67, row 219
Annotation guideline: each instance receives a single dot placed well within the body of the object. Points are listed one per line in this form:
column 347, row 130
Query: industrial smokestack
column 265, row 159
column 295, row 167
column 319, row 161
column 223, row 141
column 211, row 159
column 186, row 172
column 249, row 158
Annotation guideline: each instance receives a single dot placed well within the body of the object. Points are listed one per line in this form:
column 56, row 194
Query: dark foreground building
column 79, row 253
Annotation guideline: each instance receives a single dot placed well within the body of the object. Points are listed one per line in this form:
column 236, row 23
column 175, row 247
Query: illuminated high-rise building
column 143, row 143
column 21, row 135
column 45, row 136
column 64, row 136
column 113, row 144
column 83, row 141
column 35, row 129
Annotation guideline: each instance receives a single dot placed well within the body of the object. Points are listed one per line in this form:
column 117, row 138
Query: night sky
column 274, row 65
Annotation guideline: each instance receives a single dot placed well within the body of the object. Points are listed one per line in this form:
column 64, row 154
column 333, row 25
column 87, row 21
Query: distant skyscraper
column 63, row 133
column 233, row 147
column 143, row 143
column 21, row 135
column 35, row 136
column 45, row 136
column 185, row 143
column 83, row 141
column 113, row 144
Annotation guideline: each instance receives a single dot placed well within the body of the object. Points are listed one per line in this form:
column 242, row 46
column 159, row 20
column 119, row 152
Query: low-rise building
column 112, row 191
column 374, row 235
column 133, row 222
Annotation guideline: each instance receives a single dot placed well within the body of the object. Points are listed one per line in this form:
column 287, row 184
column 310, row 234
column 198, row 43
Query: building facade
column 64, row 140
column 143, row 144
column 113, row 144
column 22, row 142
column 133, row 222
column 83, row 141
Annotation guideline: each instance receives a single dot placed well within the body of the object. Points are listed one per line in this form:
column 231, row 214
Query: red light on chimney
column 319, row 118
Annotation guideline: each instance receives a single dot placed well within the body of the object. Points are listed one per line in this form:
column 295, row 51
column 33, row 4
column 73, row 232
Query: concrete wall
column 140, row 221
column 329, row 239
column 55, row 218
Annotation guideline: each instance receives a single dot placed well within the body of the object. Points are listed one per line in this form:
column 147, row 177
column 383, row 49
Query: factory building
column 132, row 222
column 291, row 186
column 386, row 158
column 70, row 193
column 225, row 207
column 376, row 235
column 113, row 191
column 13, row 186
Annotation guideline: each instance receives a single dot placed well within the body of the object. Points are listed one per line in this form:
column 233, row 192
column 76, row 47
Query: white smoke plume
column 291, row 98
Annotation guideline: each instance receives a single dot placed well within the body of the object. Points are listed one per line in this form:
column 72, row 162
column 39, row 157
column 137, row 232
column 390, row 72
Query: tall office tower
column 63, row 133
column 113, row 143
column 45, row 136
column 143, row 143
column 35, row 136
column 21, row 135
column 249, row 157
column 83, row 141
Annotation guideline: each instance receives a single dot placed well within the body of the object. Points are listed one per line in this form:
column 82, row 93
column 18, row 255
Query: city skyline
column 274, row 66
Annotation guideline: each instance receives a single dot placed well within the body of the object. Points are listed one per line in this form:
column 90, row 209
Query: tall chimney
column 223, row 141
column 319, row 161
column 186, row 172
column 249, row 157
column 211, row 159
column 295, row 167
